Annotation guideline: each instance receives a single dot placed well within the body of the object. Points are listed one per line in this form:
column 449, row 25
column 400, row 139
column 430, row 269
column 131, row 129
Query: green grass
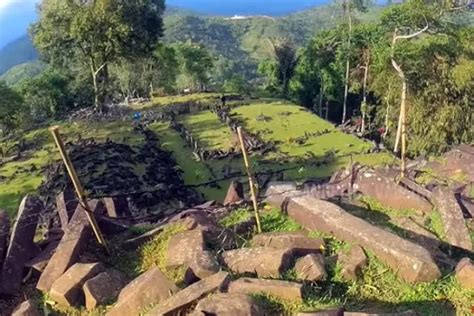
column 211, row 133
column 288, row 122
column 23, row 181
column 236, row 217
column 175, row 99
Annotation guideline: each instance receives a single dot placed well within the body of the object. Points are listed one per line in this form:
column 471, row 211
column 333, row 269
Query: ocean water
column 246, row 7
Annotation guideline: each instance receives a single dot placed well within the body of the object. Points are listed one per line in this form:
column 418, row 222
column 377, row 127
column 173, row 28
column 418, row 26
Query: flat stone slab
column 311, row 268
column 452, row 217
column 389, row 193
column 40, row 261
column 152, row 287
column 410, row 261
column 229, row 304
column 27, row 308
column 71, row 246
column 4, row 232
column 102, row 288
column 191, row 294
column 66, row 289
column 290, row 291
column 21, row 247
column 183, row 247
column 298, row 241
column 203, row 265
column 263, row 261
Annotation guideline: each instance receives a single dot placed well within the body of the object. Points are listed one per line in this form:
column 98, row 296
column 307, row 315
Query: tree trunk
column 346, row 87
column 96, row 86
column 321, row 90
column 364, row 92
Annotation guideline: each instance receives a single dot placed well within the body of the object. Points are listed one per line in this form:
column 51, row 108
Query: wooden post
column 250, row 178
column 77, row 185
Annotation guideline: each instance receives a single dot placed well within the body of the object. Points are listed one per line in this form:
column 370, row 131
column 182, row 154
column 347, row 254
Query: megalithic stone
column 389, row 193
column 71, row 246
column 21, row 247
column 4, row 232
column 410, row 261
column 452, row 217
column 66, row 204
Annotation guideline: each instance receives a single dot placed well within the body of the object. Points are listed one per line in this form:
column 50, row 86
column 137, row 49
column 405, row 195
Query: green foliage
column 46, row 95
column 237, row 84
column 97, row 33
column 196, row 63
column 11, row 108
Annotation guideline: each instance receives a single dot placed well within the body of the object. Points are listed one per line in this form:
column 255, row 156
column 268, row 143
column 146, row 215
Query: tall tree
column 348, row 6
column 286, row 60
column 97, row 33
column 11, row 105
column 196, row 62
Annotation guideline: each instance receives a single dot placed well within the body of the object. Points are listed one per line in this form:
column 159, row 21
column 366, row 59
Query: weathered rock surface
column 116, row 206
column 389, row 193
column 66, row 289
column 27, row 308
column 282, row 289
column 191, row 294
column 4, row 232
column 332, row 312
column 465, row 273
column 151, row 287
column 412, row 262
column 417, row 233
column 71, row 246
column 229, row 305
column 66, row 204
column 21, row 247
column 203, row 265
column 263, row 261
column 183, row 247
column 460, row 160
column 40, row 261
column 104, row 287
column 311, row 268
column 452, row 217
column 235, row 193
column 352, row 262
column 298, row 241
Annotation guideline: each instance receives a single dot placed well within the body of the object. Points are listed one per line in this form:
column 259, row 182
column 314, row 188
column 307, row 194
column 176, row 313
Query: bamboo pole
column 77, row 185
column 250, row 178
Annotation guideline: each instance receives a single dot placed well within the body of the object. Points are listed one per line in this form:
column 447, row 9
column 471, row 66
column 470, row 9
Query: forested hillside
column 242, row 40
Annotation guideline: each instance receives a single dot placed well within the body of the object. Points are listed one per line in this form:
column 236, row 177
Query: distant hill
column 22, row 71
column 17, row 52
column 238, row 43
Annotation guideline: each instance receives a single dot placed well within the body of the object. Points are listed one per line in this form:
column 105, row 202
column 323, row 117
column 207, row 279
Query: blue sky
column 16, row 15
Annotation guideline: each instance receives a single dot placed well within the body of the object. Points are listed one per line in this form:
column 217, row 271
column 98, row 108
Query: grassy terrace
column 285, row 123
column 26, row 175
column 211, row 133
column 167, row 100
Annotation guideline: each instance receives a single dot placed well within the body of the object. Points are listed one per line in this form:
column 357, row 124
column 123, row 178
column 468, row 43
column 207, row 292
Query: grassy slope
column 211, row 133
column 167, row 100
column 26, row 181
